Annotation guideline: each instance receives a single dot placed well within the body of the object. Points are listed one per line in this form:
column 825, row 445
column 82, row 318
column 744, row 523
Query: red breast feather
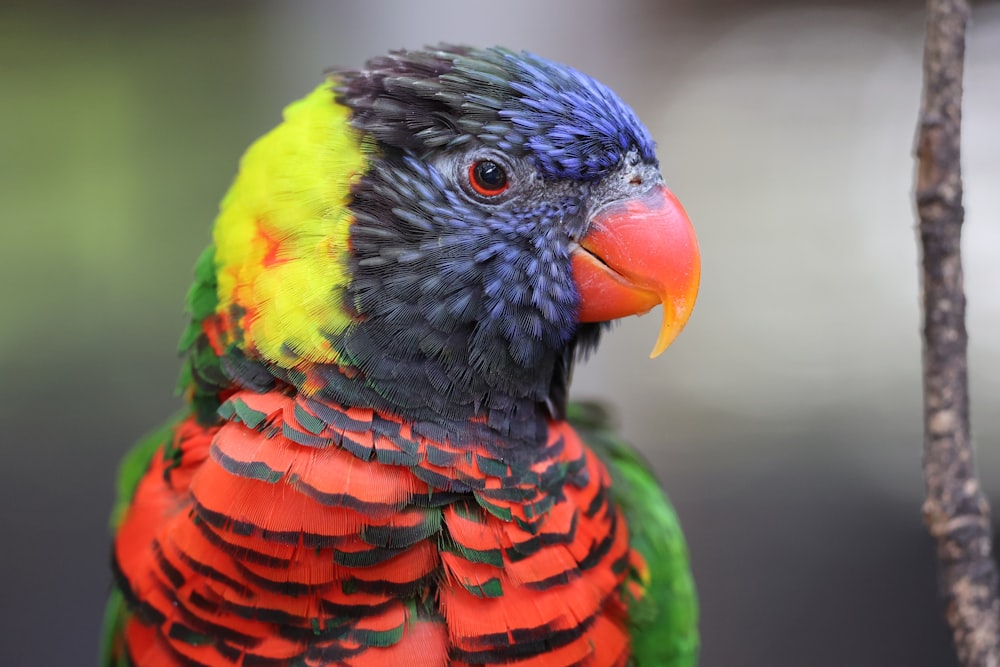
column 300, row 533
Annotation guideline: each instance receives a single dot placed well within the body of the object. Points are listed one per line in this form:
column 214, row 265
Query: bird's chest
column 362, row 538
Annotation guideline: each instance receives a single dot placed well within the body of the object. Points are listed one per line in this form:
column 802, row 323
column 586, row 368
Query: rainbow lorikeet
column 377, row 464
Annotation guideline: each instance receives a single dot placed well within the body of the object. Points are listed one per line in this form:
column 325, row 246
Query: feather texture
column 374, row 467
column 268, row 537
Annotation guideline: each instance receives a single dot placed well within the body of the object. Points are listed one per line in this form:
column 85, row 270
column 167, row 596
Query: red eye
column 488, row 178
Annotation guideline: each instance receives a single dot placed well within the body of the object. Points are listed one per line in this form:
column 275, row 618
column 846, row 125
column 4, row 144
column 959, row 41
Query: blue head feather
column 466, row 305
column 574, row 126
column 570, row 124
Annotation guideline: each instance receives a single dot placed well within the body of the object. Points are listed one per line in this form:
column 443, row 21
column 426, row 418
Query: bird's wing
column 660, row 592
column 130, row 472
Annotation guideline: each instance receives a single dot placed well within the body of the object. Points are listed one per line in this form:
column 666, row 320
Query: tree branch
column 956, row 511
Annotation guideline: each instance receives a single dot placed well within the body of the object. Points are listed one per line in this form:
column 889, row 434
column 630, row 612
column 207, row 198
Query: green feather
column 111, row 629
column 201, row 371
column 201, row 298
column 663, row 623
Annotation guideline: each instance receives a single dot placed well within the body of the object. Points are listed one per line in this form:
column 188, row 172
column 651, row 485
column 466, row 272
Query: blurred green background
column 785, row 422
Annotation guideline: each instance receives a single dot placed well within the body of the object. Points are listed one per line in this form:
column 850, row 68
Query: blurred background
column 786, row 420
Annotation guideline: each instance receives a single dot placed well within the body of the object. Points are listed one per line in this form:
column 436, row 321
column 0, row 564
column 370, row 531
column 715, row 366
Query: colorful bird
column 377, row 464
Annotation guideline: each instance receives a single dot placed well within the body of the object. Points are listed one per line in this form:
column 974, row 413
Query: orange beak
column 638, row 253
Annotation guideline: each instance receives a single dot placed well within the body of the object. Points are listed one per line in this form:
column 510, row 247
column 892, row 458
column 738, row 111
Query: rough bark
column 956, row 510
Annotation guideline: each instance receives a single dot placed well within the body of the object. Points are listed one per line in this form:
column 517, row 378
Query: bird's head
column 440, row 233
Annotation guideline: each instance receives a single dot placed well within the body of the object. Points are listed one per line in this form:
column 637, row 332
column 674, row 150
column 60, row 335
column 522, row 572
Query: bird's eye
column 488, row 178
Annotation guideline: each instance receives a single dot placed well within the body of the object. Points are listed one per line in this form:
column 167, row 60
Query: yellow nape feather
column 282, row 233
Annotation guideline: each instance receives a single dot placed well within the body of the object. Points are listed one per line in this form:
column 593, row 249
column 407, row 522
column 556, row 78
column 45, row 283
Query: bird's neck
column 476, row 393
column 444, row 401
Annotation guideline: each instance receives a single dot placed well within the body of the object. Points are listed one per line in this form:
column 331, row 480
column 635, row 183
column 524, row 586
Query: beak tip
column 667, row 335
column 676, row 312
